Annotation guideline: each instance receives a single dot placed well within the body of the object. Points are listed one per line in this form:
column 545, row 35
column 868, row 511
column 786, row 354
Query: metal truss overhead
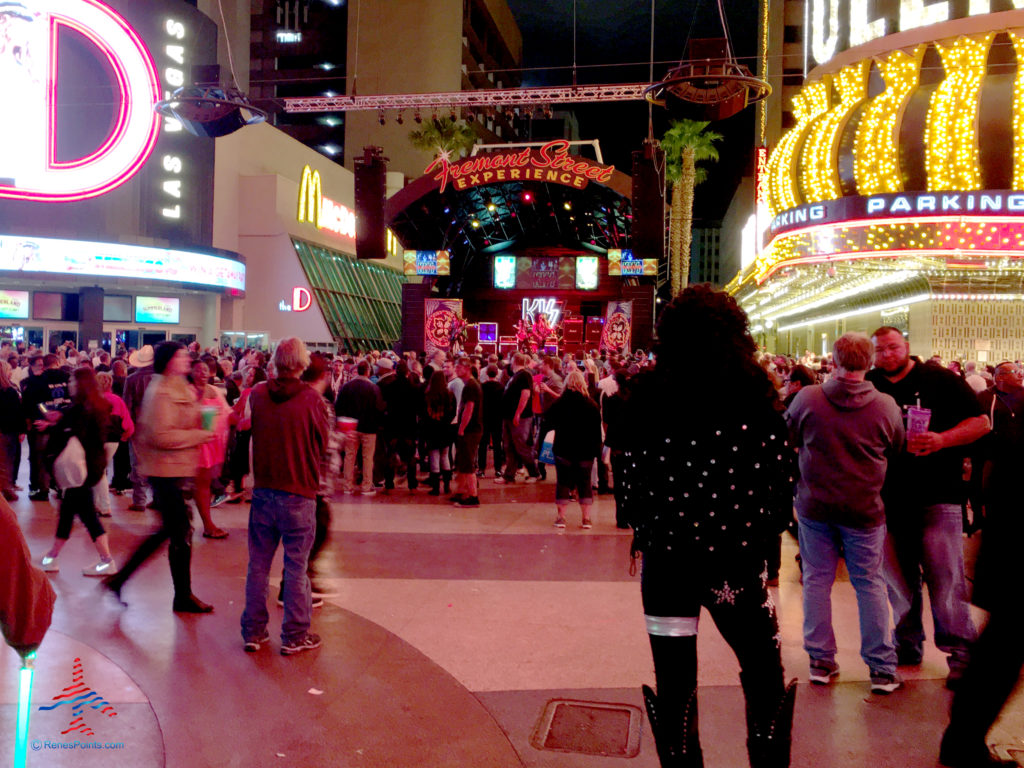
column 491, row 97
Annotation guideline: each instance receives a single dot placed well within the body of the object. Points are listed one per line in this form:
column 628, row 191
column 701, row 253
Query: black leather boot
column 446, row 478
column 769, row 721
column 675, row 731
column 434, row 482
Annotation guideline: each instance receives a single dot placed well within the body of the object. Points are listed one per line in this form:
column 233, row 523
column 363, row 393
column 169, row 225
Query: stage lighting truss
column 495, row 98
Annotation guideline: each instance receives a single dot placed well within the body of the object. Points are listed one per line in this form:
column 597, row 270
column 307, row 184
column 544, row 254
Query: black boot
column 446, row 478
column 769, row 721
column 434, row 481
column 675, row 731
column 673, row 712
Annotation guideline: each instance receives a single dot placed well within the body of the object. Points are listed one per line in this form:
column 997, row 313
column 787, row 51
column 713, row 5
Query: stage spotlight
column 475, row 223
column 399, row 119
column 567, row 205
column 527, row 197
column 491, row 206
column 417, row 117
column 454, row 114
column 380, row 117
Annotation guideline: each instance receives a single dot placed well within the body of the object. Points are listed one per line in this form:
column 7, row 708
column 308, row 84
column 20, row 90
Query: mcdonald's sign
column 320, row 211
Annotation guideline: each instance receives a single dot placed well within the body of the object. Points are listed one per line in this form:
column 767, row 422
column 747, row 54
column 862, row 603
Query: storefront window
column 361, row 303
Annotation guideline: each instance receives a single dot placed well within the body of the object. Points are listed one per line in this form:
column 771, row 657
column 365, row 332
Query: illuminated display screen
column 74, row 257
column 488, row 333
column 504, row 271
column 587, row 272
column 117, row 309
column 152, row 309
column 54, row 306
column 622, row 264
column 14, row 305
column 426, row 263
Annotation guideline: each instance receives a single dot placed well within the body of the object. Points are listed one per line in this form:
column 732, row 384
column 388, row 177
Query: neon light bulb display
column 30, row 169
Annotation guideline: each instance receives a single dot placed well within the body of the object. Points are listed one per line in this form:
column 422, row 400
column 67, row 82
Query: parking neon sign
column 29, row 168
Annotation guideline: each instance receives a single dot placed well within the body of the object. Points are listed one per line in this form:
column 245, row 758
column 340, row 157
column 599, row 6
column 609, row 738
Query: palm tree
column 686, row 142
column 443, row 136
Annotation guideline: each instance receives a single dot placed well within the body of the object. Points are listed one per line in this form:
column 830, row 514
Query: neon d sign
column 29, row 168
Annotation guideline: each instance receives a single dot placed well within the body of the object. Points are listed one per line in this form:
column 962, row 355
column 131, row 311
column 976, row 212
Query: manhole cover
column 589, row 728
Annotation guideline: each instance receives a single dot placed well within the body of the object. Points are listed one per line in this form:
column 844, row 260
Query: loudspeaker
column 648, row 233
column 572, row 331
column 595, row 328
column 507, row 344
column 371, row 231
column 472, row 338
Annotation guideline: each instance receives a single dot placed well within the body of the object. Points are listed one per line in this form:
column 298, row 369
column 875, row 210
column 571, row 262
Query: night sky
column 613, row 46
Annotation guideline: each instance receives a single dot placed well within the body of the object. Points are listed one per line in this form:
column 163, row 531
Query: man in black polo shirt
column 923, row 494
column 517, row 418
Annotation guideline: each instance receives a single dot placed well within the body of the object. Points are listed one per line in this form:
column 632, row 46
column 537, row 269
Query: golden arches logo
column 310, row 197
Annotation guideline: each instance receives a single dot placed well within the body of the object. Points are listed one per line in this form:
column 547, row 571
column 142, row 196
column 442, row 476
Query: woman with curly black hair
column 708, row 484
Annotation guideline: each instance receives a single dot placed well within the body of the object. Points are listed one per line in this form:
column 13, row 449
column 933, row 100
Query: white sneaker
column 102, row 568
column 49, row 564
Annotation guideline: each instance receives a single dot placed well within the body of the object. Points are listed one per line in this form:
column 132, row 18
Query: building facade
column 895, row 198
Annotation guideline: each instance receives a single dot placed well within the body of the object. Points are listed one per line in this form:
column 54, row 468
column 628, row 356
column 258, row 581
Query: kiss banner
column 442, row 320
column 618, row 326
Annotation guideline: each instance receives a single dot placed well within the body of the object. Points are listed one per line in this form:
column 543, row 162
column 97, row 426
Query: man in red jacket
column 26, row 597
column 289, row 437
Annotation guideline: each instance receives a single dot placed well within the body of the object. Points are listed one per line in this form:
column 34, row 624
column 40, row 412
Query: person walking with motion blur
column 87, row 420
column 168, row 435
column 215, row 413
column 120, row 428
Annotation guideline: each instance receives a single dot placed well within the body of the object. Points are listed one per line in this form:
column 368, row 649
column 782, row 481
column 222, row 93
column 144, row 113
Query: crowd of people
column 869, row 455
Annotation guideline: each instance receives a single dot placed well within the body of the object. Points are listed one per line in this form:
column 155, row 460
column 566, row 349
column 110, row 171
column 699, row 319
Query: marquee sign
column 551, row 163
column 81, row 258
column 919, row 205
column 835, row 25
column 28, row 66
column 321, row 211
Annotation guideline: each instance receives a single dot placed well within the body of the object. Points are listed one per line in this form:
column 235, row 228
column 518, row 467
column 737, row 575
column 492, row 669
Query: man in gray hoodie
column 845, row 430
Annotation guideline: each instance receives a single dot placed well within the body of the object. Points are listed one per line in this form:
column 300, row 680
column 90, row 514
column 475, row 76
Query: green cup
column 209, row 413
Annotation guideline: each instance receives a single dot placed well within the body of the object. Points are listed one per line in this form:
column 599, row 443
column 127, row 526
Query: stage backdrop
column 618, row 326
column 439, row 314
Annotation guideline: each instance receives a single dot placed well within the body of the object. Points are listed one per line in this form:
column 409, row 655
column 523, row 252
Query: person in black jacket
column 46, row 386
column 616, row 431
column 576, row 420
column 12, row 427
column 493, row 390
column 360, row 399
column 86, row 419
column 708, row 481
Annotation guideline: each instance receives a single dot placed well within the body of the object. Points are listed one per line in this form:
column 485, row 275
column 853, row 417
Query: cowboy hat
column 140, row 358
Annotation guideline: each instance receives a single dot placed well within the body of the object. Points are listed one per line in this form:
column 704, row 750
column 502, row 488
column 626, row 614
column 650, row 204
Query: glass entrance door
column 153, row 337
column 57, row 338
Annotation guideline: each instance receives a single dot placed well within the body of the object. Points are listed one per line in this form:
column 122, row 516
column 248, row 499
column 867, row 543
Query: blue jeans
column 277, row 516
column 821, row 546
column 928, row 541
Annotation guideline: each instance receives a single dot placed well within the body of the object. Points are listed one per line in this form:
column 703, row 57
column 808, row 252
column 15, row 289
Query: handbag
column 69, row 469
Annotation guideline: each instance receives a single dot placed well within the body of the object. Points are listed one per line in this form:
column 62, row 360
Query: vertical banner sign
column 440, row 318
column 618, row 326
